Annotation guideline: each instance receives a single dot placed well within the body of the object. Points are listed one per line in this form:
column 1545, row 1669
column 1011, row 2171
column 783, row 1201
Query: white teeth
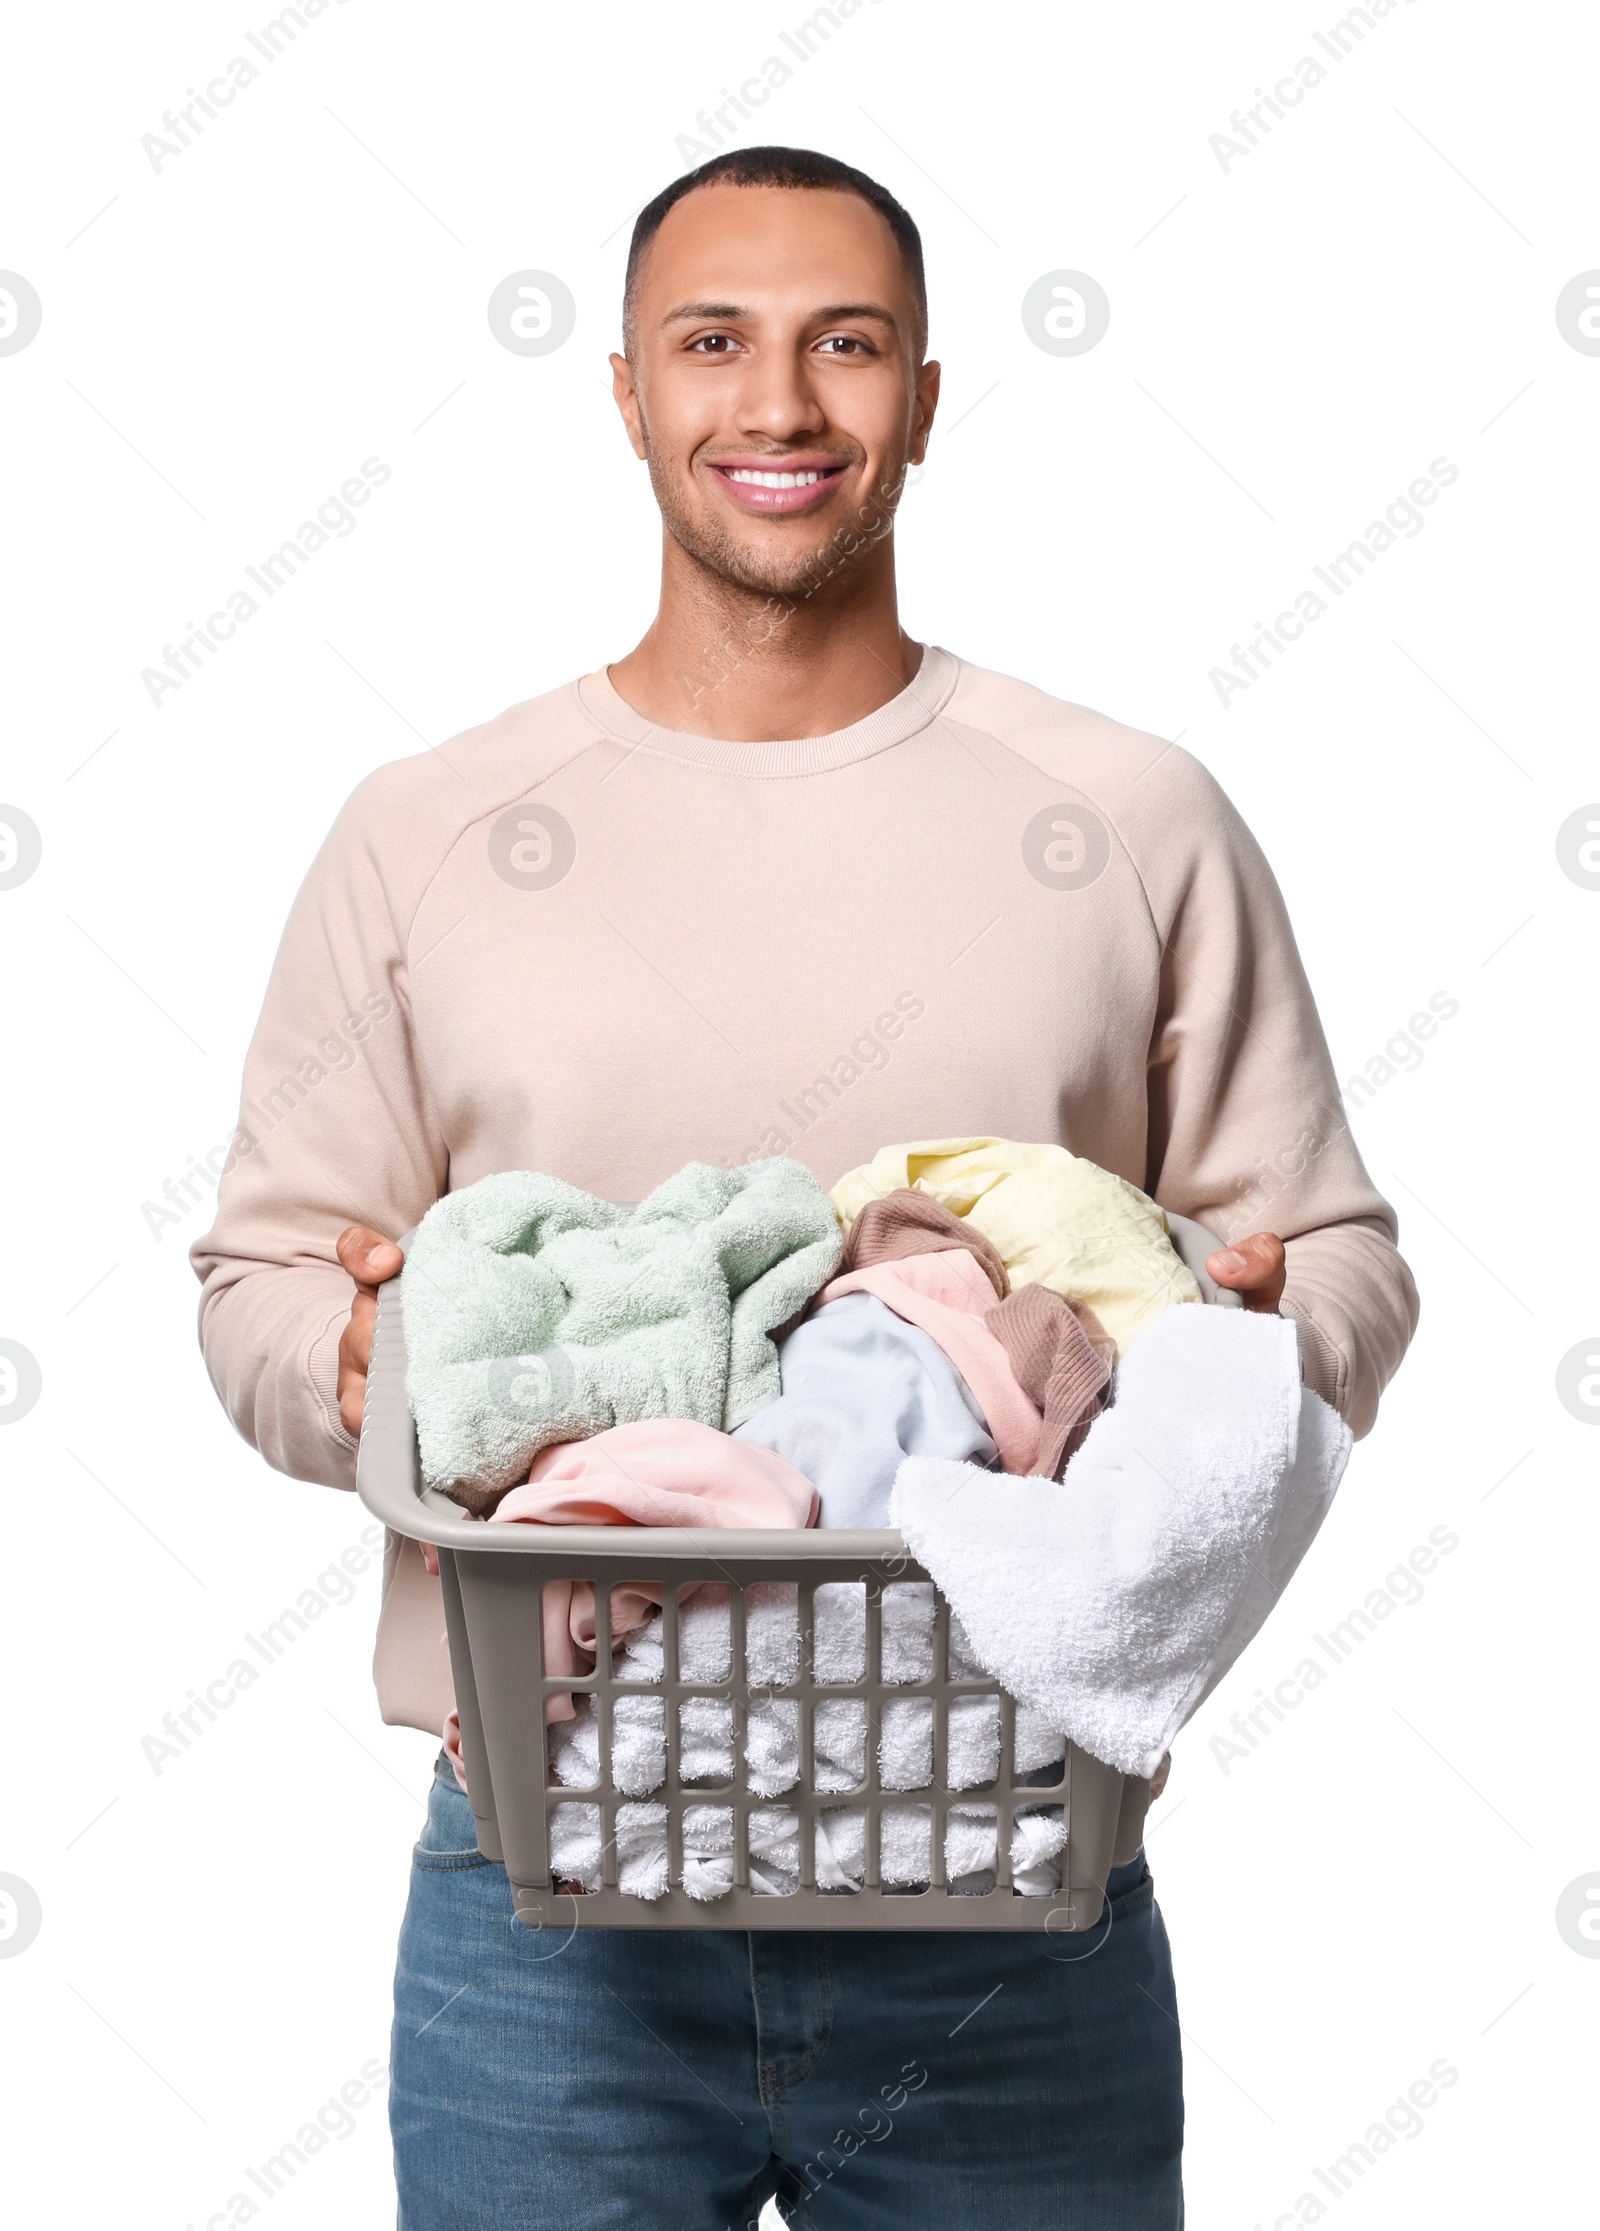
column 775, row 480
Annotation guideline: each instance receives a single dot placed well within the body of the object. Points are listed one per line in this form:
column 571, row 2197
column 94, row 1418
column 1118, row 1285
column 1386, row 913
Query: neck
column 749, row 666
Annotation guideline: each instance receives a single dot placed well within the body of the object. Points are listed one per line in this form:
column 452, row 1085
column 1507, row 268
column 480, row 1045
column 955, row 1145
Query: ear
column 922, row 417
column 625, row 389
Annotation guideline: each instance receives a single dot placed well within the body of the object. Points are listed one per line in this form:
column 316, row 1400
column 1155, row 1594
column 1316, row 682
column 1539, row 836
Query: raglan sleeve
column 1247, row 1130
column 335, row 1128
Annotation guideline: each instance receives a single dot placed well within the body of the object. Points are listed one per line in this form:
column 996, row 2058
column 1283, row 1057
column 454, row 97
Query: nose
column 777, row 400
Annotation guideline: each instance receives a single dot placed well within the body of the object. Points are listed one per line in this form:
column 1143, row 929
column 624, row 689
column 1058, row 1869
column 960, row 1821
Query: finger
column 1230, row 1266
column 355, row 1353
column 352, row 1401
column 355, row 1342
column 1252, row 1262
column 430, row 1557
column 368, row 1256
column 1253, row 1268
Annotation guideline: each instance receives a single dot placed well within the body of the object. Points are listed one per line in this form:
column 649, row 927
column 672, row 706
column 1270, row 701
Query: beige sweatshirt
column 569, row 941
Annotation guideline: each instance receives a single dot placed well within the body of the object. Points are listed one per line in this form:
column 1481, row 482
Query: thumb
column 1254, row 1268
column 368, row 1256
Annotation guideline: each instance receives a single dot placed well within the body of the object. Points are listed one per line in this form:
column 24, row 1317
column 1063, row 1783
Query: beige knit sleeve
column 334, row 1129
column 1247, row 1129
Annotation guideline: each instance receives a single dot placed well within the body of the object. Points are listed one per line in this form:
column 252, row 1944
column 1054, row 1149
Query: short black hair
column 781, row 166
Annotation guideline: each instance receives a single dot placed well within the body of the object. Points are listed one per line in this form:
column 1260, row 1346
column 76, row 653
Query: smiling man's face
column 774, row 383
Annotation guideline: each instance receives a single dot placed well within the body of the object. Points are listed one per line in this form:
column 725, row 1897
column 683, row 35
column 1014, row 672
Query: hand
column 370, row 1259
column 1253, row 1268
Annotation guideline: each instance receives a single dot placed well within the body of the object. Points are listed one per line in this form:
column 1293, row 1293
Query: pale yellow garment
column 1057, row 1221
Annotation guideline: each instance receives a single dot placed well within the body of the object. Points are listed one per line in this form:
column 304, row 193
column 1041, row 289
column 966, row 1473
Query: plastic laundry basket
column 493, row 1579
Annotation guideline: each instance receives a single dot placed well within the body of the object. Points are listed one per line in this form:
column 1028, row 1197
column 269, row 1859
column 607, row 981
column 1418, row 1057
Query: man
column 781, row 881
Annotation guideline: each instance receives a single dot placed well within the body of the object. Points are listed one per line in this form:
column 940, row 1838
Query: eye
column 845, row 344
column 712, row 344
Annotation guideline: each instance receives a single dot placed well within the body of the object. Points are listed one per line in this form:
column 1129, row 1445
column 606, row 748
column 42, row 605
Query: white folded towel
column 1113, row 1602
column 772, row 1754
column 772, row 1728
column 1038, row 1838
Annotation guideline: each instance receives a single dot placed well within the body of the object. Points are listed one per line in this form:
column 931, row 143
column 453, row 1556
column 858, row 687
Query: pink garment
column 947, row 1295
column 660, row 1472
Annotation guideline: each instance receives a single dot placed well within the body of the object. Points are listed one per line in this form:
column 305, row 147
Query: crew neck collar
column 920, row 702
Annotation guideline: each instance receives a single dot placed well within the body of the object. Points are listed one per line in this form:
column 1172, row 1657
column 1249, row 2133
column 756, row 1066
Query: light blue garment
column 863, row 1390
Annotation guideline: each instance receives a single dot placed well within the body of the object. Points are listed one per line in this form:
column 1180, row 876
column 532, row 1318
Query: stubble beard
column 778, row 568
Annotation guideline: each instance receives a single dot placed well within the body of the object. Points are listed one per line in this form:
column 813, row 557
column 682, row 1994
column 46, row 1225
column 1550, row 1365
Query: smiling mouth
column 778, row 488
column 773, row 480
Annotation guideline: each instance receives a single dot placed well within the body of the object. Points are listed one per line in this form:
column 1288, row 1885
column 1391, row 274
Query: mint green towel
column 535, row 1313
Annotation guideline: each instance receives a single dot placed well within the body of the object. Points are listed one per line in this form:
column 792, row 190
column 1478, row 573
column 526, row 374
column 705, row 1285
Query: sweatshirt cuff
column 322, row 1368
column 1322, row 1366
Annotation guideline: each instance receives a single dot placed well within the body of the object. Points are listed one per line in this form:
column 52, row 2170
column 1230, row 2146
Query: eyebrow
column 690, row 313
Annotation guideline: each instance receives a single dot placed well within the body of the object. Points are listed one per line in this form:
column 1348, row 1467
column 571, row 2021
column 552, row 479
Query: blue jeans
column 680, row 2078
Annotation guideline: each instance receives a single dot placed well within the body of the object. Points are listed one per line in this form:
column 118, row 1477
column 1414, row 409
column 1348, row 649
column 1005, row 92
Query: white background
column 1373, row 1887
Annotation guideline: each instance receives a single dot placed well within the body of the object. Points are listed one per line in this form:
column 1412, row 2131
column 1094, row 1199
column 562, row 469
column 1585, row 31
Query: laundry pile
column 957, row 1328
column 991, row 1287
